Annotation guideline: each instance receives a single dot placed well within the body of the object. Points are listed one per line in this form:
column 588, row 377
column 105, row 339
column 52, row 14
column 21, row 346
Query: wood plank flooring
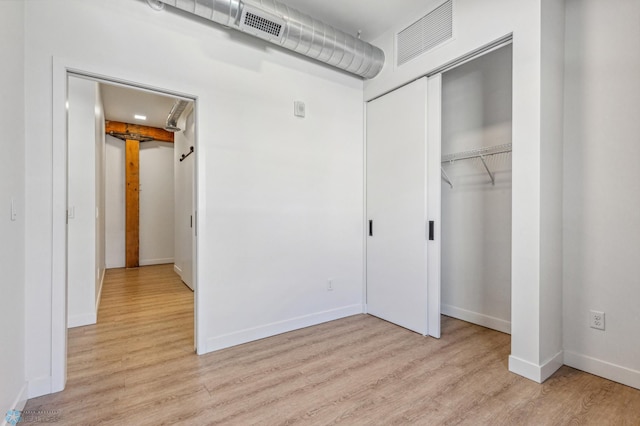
column 137, row 367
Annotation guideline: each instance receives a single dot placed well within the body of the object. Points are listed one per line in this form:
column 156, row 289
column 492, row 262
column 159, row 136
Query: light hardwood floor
column 137, row 367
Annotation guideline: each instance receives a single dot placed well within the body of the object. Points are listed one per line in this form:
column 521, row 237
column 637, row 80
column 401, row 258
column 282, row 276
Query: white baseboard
column 476, row 318
column 268, row 330
column 99, row 296
column 148, row 262
column 38, row 387
column 81, row 320
column 177, row 270
column 18, row 404
column 605, row 369
column 551, row 366
column 537, row 373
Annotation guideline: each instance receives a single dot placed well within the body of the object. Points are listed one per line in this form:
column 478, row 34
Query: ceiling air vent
column 262, row 24
column 426, row 33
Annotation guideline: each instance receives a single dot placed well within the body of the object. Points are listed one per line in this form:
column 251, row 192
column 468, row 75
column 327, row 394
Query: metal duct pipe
column 174, row 115
column 280, row 24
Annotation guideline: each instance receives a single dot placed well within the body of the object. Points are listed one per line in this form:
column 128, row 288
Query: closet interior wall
column 476, row 214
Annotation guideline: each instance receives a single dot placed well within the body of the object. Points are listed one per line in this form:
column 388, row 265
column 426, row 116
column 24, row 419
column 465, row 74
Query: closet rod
column 477, row 153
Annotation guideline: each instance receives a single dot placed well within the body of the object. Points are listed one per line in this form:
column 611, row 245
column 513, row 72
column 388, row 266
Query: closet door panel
column 434, row 199
column 396, row 198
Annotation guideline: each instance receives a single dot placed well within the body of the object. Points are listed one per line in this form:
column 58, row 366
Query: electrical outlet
column 330, row 284
column 596, row 320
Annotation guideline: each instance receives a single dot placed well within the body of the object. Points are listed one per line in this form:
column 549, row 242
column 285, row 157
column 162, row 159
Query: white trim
column 477, row 318
column 524, row 368
column 365, row 213
column 147, row 262
column 605, row 369
column 59, row 318
column 537, row 373
column 18, row 403
column 40, row 386
column 114, row 74
column 268, row 330
column 551, row 366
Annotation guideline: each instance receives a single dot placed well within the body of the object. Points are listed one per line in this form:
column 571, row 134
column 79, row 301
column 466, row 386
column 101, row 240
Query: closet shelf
column 475, row 153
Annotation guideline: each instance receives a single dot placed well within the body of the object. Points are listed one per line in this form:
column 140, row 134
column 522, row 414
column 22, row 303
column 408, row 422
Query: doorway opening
column 131, row 193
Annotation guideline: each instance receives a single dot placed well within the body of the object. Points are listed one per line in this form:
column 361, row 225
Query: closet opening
column 476, row 194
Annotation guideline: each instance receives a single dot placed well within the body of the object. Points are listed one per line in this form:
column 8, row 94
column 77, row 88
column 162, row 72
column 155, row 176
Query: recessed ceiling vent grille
column 261, row 24
column 425, row 34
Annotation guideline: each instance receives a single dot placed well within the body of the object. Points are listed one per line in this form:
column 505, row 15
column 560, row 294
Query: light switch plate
column 298, row 109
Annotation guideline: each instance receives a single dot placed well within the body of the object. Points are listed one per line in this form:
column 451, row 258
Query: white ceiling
column 122, row 103
column 372, row 17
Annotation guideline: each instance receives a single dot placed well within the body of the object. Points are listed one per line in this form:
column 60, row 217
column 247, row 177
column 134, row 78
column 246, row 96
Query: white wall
column 81, row 265
column 476, row 216
column 280, row 200
column 12, row 232
column 184, row 180
column 86, row 230
column 156, row 203
column 115, row 203
column 602, row 187
column 536, row 351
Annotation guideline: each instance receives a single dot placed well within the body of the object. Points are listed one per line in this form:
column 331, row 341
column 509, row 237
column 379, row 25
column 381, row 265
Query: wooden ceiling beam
column 127, row 131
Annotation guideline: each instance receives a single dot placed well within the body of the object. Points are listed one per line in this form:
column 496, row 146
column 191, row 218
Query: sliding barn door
column 396, row 207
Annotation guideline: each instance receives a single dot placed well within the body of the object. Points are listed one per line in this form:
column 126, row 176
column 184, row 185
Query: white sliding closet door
column 396, row 207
